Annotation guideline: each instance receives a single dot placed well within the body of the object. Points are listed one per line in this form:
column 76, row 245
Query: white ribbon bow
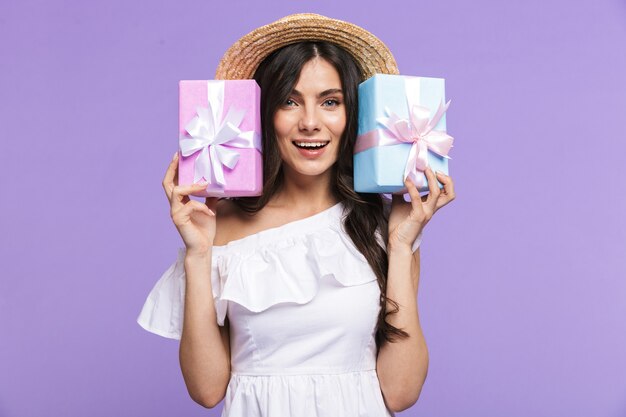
column 215, row 137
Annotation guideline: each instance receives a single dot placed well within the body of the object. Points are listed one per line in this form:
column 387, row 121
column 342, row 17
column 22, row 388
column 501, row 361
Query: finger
column 185, row 213
column 448, row 184
column 182, row 192
column 448, row 188
column 416, row 200
column 197, row 206
column 170, row 174
column 433, row 190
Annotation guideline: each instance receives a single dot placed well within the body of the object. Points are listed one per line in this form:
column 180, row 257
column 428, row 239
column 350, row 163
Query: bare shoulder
column 232, row 222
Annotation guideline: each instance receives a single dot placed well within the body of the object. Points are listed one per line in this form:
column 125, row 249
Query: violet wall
column 523, row 288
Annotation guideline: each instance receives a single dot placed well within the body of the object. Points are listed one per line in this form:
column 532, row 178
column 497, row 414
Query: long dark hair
column 364, row 217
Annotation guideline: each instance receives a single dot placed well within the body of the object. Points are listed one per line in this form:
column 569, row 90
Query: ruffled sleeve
column 163, row 311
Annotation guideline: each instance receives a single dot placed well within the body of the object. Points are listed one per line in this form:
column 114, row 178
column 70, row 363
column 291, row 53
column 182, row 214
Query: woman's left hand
column 407, row 220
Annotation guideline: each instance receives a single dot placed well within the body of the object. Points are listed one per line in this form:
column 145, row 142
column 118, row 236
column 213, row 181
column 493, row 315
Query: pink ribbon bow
column 418, row 131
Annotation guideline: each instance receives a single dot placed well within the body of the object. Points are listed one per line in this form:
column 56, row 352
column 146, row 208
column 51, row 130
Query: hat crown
column 244, row 56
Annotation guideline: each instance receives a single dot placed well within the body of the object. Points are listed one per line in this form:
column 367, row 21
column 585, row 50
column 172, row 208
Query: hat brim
column 244, row 56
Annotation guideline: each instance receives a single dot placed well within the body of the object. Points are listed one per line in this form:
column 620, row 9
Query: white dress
column 302, row 303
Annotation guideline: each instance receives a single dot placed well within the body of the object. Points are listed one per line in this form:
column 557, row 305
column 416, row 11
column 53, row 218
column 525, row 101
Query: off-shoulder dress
column 302, row 304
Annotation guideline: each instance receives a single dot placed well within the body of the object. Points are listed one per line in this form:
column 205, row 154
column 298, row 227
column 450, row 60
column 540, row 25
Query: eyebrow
column 322, row 94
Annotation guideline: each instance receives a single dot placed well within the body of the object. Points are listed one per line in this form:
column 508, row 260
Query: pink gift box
column 220, row 137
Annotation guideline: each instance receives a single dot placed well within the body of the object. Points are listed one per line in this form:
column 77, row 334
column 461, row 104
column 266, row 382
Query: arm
column 402, row 365
column 204, row 346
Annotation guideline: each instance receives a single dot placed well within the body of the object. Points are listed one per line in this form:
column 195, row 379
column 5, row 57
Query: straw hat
column 243, row 58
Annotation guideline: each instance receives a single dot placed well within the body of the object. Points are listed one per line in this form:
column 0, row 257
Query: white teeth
column 310, row 144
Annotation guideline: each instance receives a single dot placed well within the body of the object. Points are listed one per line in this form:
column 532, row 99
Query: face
column 310, row 123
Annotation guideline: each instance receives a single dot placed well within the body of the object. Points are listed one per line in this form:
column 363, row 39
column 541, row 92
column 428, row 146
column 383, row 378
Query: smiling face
column 310, row 123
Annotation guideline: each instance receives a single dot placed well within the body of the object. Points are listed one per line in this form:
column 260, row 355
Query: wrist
column 399, row 249
column 197, row 254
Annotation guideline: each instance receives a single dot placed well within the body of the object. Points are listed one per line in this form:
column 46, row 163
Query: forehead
column 317, row 75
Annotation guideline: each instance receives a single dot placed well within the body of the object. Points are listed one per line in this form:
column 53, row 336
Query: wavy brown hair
column 364, row 217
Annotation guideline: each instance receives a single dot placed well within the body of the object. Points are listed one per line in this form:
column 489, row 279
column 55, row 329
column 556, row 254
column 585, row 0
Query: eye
column 289, row 102
column 331, row 102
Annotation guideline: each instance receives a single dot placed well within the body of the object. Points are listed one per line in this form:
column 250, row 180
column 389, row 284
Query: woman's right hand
column 194, row 220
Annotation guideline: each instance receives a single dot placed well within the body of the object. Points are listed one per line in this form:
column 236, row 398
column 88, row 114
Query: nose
column 309, row 120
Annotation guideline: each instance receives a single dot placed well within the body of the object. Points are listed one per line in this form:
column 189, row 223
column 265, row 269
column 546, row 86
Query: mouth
column 310, row 145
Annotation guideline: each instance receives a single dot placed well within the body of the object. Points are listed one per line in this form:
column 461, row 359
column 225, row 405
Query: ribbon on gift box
column 418, row 130
column 215, row 137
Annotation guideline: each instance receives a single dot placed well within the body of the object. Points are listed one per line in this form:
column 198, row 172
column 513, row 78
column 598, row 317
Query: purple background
column 523, row 289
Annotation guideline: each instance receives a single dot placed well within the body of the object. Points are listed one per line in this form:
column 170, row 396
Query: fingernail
column 175, row 155
column 203, row 184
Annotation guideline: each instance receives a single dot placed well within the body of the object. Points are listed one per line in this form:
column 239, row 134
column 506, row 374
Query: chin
column 311, row 169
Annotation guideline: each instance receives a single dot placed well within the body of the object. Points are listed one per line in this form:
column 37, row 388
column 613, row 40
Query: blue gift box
column 380, row 169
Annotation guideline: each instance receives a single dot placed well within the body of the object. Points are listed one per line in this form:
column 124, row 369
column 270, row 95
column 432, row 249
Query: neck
column 305, row 193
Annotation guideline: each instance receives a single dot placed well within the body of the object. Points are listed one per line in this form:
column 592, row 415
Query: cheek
column 285, row 126
column 281, row 146
column 337, row 123
column 280, row 125
column 282, row 131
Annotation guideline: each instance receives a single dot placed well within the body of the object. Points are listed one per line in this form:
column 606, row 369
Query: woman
column 302, row 301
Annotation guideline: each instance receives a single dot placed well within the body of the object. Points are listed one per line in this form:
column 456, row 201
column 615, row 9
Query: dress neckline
column 308, row 224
